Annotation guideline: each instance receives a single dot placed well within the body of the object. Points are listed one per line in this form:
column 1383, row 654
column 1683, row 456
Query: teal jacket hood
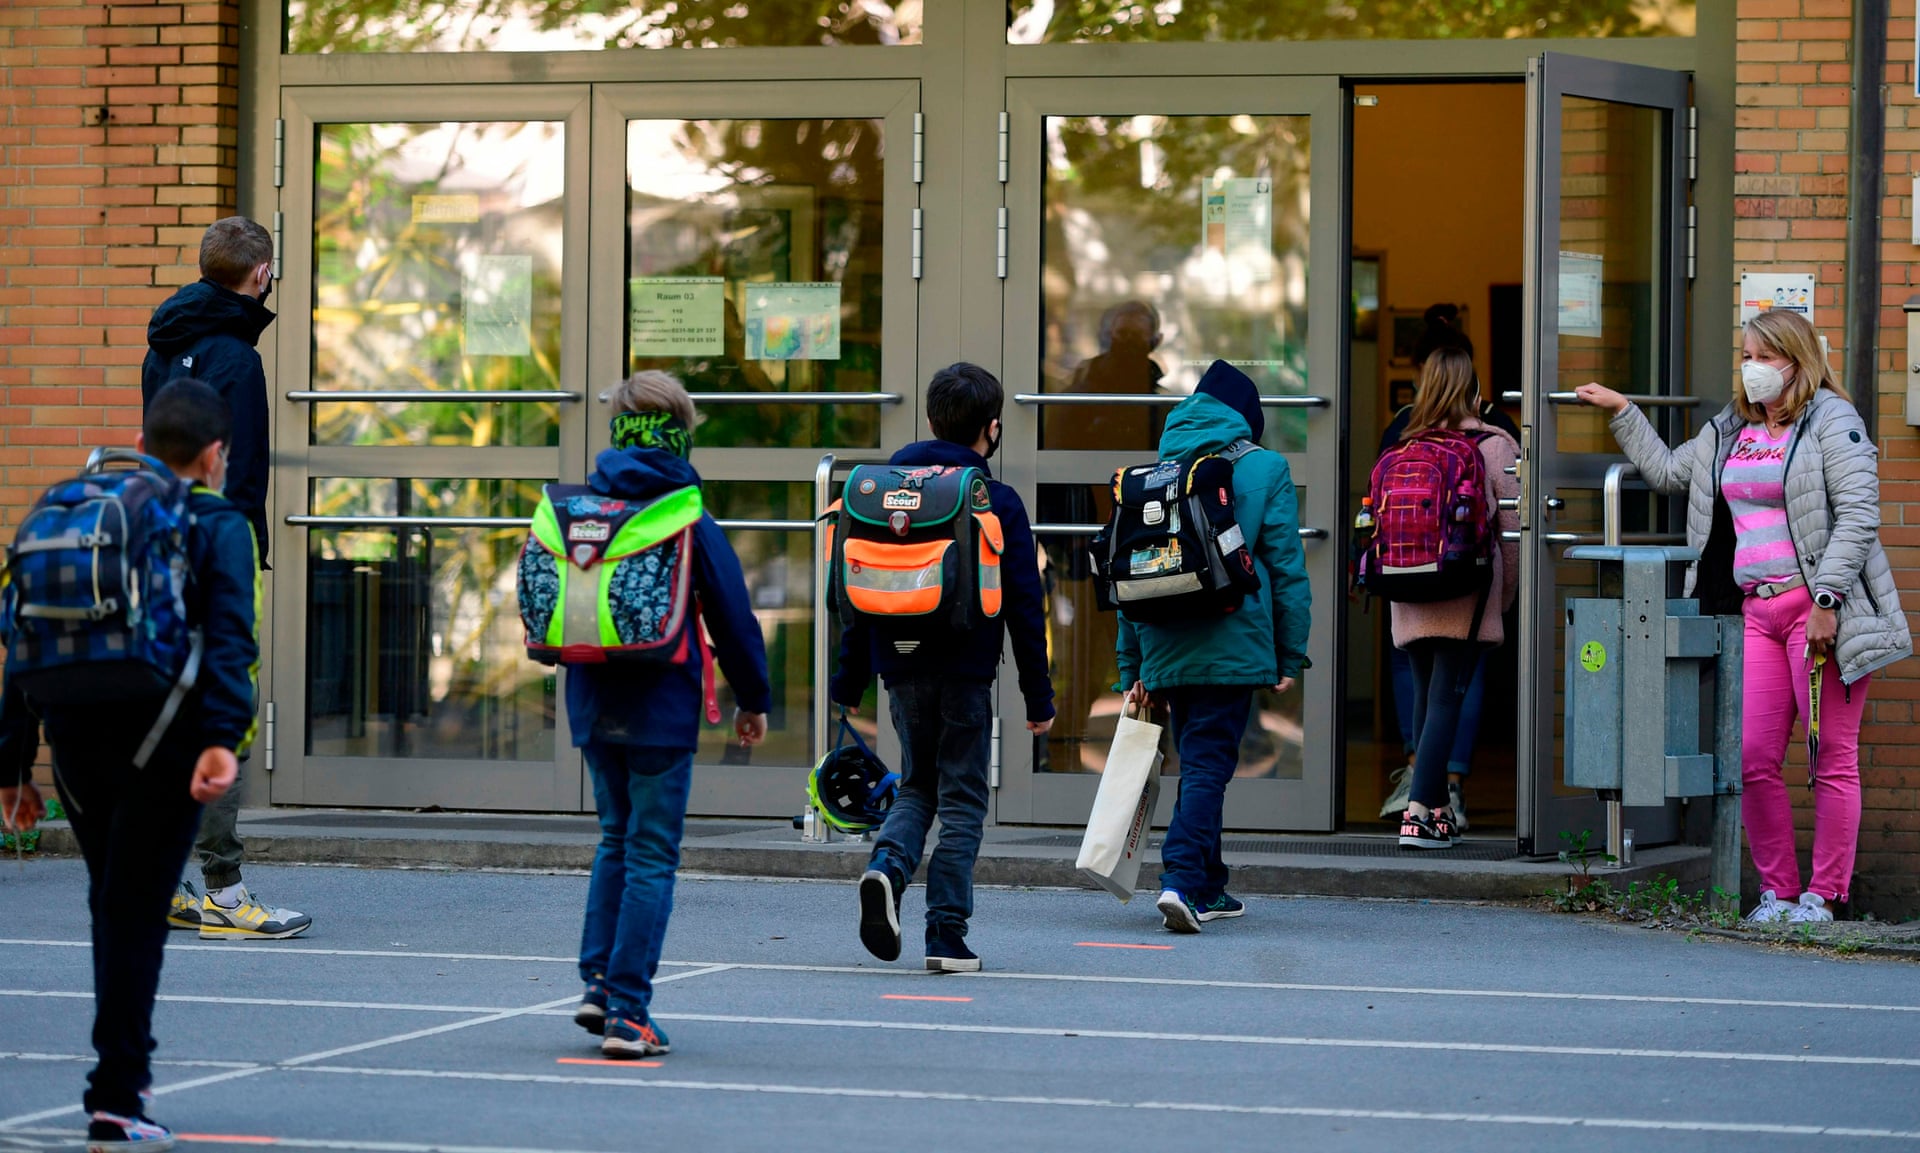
column 1265, row 639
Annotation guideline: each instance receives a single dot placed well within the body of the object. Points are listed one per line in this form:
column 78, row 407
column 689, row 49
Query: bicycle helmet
column 850, row 786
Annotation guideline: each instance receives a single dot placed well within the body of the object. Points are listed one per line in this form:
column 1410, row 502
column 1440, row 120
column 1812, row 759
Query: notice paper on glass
column 798, row 321
column 1237, row 216
column 499, row 306
column 1767, row 291
column 677, row 315
column 1581, row 274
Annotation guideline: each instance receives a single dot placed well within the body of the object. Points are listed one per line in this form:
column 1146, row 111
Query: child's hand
column 21, row 808
column 213, row 774
column 1284, row 687
column 751, row 728
column 1037, row 728
column 1138, row 698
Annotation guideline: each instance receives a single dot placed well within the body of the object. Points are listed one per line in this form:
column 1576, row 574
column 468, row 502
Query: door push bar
column 433, row 522
column 1642, row 401
column 1090, row 529
column 1153, row 399
column 430, row 396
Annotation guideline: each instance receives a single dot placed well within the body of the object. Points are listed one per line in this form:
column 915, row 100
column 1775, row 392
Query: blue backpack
column 93, row 609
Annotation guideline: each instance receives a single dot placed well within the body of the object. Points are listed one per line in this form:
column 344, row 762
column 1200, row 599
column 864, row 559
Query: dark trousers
column 1442, row 673
column 945, row 727
column 641, row 796
column 1208, row 723
column 218, row 842
column 135, row 828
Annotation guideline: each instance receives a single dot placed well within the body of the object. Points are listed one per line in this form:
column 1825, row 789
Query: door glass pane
column 754, row 265
column 1080, row 658
column 437, row 265
column 1108, row 21
column 1612, row 213
column 568, row 25
column 1171, row 241
column 414, row 642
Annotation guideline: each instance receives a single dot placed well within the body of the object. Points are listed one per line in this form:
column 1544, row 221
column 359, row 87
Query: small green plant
column 1580, row 857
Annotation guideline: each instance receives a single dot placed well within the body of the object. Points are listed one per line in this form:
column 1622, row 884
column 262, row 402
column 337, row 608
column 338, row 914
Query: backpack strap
column 1239, row 448
column 709, row 691
column 175, row 699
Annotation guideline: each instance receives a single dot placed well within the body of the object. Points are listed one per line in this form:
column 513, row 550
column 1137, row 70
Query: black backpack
column 1172, row 551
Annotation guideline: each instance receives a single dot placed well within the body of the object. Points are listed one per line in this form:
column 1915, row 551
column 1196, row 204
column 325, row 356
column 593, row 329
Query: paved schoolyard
column 429, row 1011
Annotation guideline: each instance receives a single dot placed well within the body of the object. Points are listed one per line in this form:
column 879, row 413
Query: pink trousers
column 1775, row 694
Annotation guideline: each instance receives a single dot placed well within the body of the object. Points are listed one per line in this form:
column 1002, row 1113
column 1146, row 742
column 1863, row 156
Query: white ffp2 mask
column 1763, row 382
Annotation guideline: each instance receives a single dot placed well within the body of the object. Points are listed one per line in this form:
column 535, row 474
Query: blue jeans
column 1406, row 693
column 641, row 794
column 1208, row 724
column 945, row 727
column 1444, row 671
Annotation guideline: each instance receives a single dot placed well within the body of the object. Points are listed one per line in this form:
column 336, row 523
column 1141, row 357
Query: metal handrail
column 309, row 520
column 430, row 396
column 1617, row 474
column 1090, row 529
column 1642, row 401
column 797, row 398
column 1652, row 538
column 1153, row 399
column 822, row 636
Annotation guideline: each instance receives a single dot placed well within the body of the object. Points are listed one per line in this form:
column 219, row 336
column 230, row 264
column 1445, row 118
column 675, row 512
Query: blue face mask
column 652, row 430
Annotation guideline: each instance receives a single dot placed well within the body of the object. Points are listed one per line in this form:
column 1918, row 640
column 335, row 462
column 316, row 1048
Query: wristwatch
column 1826, row 600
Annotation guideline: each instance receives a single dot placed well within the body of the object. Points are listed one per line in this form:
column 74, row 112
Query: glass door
column 1153, row 227
column 756, row 240
column 1607, row 267
column 430, row 378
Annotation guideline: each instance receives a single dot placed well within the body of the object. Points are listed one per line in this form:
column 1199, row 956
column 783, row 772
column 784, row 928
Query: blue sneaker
column 111, row 1131
column 592, row 1013
column 1222, row 905
column 1179, row 914
column 947, row 952
column 633, row 1035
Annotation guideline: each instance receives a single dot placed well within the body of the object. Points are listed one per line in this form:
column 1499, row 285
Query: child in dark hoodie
column 638, row 725
column 942, row 697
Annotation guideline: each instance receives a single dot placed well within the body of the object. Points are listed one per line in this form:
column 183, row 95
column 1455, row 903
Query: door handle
column 1555, row 504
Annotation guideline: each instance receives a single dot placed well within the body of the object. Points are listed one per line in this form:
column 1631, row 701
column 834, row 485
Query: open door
column 1607, row 269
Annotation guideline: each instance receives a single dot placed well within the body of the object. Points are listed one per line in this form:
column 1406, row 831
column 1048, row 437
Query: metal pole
column 1611, row 487
column 822, row 635
column 1724, row 872
column 1866, row 179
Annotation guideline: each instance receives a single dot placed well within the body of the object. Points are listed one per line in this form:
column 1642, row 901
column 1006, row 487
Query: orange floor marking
column 1116, row 945
column 911, row 997
column 607, row 1061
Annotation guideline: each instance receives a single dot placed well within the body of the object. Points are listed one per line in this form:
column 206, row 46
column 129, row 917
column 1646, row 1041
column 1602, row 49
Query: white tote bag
column 1122, row 814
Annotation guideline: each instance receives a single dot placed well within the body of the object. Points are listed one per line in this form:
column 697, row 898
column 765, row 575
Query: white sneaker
column 1770, row 911
column 1402, row 791
column 1812, row 908
column 1458, row 806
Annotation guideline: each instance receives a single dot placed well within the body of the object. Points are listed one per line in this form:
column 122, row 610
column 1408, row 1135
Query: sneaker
column 1770, row 911
column 249, row 919
column 1457, row 805
column 1811, row 909
column 1443, row 823
column 633, row 1035
column 1401, row 793
column 110, row 1131
column 947, row 952
column 592, row 1013
column 880, row 893
column 185, row 912
column 1177, row 913
column 1422, row 833
column 1221, row 906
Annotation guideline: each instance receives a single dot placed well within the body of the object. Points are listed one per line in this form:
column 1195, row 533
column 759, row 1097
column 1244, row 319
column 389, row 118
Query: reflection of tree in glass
column 558, row 25
column 1061, row 21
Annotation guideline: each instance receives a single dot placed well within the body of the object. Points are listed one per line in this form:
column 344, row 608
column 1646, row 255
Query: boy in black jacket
column 135, row 826
column 942, row 697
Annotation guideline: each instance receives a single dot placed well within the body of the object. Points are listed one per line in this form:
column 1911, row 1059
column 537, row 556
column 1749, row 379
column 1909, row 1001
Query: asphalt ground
column 430, row 1011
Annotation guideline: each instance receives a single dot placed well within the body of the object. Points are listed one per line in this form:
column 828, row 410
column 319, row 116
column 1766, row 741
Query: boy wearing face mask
column 941, row 695
column 1784, row 504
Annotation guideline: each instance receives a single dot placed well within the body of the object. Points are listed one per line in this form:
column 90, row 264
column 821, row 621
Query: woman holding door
column 1783, row 502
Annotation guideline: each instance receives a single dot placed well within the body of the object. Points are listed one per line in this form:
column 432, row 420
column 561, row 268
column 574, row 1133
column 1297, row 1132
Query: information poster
column 499, row 306
column 793, row 321
column 1237, row 221
column 1581, row 276
column 446, row 208
column 677, row 315
column 1765, row 291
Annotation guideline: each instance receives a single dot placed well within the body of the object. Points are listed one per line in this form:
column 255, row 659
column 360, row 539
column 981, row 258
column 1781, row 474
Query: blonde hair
column 1791, row 335
column 652, row 391
column 1449, row 395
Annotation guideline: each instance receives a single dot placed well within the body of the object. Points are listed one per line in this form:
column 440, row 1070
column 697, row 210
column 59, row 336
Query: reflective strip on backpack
column 70, row 540
column 895, row 580
column 1152, row 588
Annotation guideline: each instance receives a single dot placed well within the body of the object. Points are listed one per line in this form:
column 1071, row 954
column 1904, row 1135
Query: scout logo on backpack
column 917, row 544
column 1172, row 549
column 94, row 610
column 603, row 579
column 1433, row 523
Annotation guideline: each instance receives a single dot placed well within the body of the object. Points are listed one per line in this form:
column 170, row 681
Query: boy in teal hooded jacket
column 1207, row 670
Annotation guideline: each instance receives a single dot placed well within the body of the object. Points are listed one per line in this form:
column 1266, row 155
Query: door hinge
column 918, row 233
column 1000, row 244
column 1693, row 143
column 919, row 147
column 279, row 153
column 1693, row 237
column 1006, row 146
column 266, row 738
column 993, row 764
column 279, row 222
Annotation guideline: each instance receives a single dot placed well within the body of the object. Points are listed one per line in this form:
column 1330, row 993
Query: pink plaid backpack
column 1433, row 521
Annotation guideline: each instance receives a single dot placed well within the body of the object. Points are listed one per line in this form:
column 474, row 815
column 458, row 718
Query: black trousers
column 135, row 828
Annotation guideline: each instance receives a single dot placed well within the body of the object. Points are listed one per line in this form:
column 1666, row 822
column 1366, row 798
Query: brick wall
column 1791, row 186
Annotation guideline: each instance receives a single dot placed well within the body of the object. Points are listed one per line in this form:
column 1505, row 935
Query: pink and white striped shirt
column 1754, row 483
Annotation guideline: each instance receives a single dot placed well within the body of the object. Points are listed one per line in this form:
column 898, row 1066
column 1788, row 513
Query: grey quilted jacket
column 1833, row 514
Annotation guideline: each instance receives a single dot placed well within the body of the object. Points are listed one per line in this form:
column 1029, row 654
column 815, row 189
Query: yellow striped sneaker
column 184, row 913
column 249, row 920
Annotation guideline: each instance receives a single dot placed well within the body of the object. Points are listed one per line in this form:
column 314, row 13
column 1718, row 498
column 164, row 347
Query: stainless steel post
column 822, row 635
column 1724, row 870
column 1616, row 477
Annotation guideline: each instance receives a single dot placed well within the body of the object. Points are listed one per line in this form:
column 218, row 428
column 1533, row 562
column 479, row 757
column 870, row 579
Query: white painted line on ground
column 1547, row 1120
column 312, row 1143
column 89, row 1057
column 277, row 1002
column 262, row 949
column 1298, row 1042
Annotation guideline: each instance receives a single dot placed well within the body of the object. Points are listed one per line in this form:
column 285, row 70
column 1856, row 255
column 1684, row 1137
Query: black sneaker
column 1222, row 905
column 111, row 1131
column 1177, row 913
column 1446, row 825
column 880, row 893
column 1422, row 833
column 947, row 952
column 592, row 1013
